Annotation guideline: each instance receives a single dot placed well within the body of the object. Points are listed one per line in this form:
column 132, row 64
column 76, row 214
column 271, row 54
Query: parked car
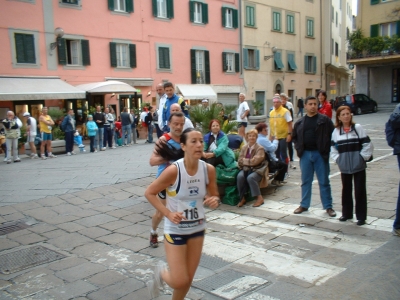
column 358, row 103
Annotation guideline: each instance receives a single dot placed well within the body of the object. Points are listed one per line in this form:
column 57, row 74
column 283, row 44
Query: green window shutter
column 85, row 52
column 398, row 28
column 374, row 32
column 204, row 13
column 163, row 58
column 25, row 48
column 306, row 64
column 132, row 55
column 113, row 54
column 224, row 64
column 193, row 65
column 154, row 8
column 207, row 66
column 373, row 2
column 62, row 51
column 170, row 9
column 235, row 17
column 19, row 46
column 191, row 12
column 223, row 11
column 129, row 6
column 257, row 53
column 314, row 64
column 111, row 5
column 237, row 62
column 278, row 60
column 245, row 58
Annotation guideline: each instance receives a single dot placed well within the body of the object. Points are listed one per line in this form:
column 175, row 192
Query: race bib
column 194, row 216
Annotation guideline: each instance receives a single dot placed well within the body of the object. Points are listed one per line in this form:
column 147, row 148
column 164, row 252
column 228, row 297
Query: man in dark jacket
column 126, row 121
column 312, row 139
column 68, row 125
column 392, row 130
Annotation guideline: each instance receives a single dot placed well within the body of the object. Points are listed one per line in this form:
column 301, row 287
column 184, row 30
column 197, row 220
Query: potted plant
column 257, row 117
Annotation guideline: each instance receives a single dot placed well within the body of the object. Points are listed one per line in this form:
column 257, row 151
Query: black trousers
column 280, row 167
column 360, row 193
column 108, row 135
column 69, row 141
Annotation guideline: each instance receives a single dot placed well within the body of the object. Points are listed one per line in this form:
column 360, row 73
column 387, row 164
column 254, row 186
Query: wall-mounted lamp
column 274, row 49
column 112, row 95
column 59, row 33
column 293, row 80
column 311, row 81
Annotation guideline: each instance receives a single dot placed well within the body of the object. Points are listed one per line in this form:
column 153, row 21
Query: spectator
column 150, row 125
column 31, row 131
column 126, row 121
column 118, row 131
column 46, row 124
column 171, row 99
column 134, row 126
column 324, row 107
column 162, row 99
column 143, row 115
column 288, row 105
column 235, row 140
column 108, row 129
column 312, row 139
column 251, row 160
column 99, row 119
column 351, row 148
column 12, row 127
column 241, row 115
column 300, row 106
column 215, row 147
column 91, row 129
column 68, row 125
column 392, row 130
column 177, row 108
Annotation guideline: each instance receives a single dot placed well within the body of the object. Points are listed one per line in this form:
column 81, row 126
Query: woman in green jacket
column 216, row 149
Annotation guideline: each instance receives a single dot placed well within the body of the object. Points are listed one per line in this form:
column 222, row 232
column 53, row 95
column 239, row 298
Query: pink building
column 68, row 53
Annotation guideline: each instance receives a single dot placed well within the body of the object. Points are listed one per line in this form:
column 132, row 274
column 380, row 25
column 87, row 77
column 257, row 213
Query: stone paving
column 90, row 210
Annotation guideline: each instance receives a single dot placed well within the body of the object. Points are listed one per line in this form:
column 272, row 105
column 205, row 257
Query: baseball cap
column 26, row 114
column 204, row 101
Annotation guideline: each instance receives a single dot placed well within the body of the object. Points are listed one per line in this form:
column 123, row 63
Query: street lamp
column 274, row 49
column 59, row 33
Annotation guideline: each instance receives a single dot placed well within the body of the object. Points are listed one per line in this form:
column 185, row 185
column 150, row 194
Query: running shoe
column 153, row 240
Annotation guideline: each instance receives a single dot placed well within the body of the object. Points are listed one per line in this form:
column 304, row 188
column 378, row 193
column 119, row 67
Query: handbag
column 12, row 134
column 38, row 140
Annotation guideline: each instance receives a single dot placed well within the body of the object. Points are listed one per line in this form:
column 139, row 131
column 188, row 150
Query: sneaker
column 43, row 157
column 396, row 231
column 73, row 153
column 52, row 155
column 103, row 149
column 8, row 161
column 292, row 166
column 276, row 182
column 68, row 153
column 127, row 145
column 95, row 151
column 35, row 156
column 123, row 145
column 157, row 282
column 113, row 147
column 5, row 159
column 17, row 159
column 153, row 240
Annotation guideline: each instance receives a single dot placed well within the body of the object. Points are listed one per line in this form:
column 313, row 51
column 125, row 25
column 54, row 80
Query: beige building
column 281, row 49
column 378, row 74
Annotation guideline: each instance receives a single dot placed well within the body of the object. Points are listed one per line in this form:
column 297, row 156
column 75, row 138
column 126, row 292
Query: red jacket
column 326, row 109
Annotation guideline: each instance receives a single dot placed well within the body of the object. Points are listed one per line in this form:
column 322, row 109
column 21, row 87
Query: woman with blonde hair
column 351, row 148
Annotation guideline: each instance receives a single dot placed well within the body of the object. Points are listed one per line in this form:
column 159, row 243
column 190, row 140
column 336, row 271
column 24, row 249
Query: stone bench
column 58, row 147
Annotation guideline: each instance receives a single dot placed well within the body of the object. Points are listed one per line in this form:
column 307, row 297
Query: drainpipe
column 240, row 40
column 322, row 56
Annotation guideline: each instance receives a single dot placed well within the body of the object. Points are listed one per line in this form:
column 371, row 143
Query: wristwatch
column 289, row 133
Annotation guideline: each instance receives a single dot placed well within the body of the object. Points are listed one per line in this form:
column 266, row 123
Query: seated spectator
column 216, row 149
column 235, row 140
column 252, row 164
column 270, row 146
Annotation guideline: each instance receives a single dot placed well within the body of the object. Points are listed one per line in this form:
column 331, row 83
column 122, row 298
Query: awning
column 196, row 91
column 107, row 87
column 26, row 88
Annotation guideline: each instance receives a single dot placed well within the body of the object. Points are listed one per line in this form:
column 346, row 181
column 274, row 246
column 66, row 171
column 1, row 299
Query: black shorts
column 181, row 239
column 162, row 194
column 242, row 124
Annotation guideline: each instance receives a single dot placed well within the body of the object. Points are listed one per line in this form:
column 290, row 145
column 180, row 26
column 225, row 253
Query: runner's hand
column 212, row 202
column 176, row 217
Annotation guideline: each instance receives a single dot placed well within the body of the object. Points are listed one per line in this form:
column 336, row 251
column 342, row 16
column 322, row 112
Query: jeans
column 310, row 162
column 281, row 151
column 300, row 112
column 360, row 193
column 133, row 132
column 107, row 136
column 91, row 143
column 396, row 224
column 126, row 131
column 98, row 141
column 150, row 133
column 69, row 141
column 12, row 143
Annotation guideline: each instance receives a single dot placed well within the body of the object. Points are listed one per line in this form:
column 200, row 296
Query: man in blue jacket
column 171, row 99
column 68, row 126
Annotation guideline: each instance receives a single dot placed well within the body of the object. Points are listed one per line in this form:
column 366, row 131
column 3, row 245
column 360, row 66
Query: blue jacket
column 392, row 130
column 91, row 128
column 167, row 106
column 68, row 124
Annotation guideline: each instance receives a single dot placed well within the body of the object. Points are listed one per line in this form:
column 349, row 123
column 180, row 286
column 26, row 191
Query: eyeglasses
column 276, row 101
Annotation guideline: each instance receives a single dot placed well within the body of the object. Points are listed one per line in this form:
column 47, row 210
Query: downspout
column 321, row 49
column 240, row 41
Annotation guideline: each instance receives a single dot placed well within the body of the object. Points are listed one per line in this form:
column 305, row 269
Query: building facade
column 84, row 44
column 378, row 73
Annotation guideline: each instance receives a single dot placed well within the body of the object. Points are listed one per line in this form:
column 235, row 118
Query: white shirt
column 240, row 111
column 33, row 128
column 163, row 99
column 143, row 115
column 188, row 124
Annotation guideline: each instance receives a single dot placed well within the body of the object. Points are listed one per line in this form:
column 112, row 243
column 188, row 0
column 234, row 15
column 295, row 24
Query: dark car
column 358, row 103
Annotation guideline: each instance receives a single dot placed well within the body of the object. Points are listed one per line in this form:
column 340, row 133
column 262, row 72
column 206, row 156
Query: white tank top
column 186, row 195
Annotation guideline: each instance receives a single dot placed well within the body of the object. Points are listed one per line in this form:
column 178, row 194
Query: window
column 310, row 27
column 164, row 58
column 122, row 55
column 290, row 23
column 70, row 1
column 374, row 2
column 198, row 12
column 121, row 5
column 278, row 65
column 163, row 9
column 310, row 64
column 276, row 20
column 333, row 14
column 200, row 66
column 336, row 19
column 388, row 29
column 73, row 52
column 250, row 16
column 229, row 17
column 230, row 62
column 251, row 59
column 336, row 49
column 291, row 62
column 25, row 48
column 332, row 46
